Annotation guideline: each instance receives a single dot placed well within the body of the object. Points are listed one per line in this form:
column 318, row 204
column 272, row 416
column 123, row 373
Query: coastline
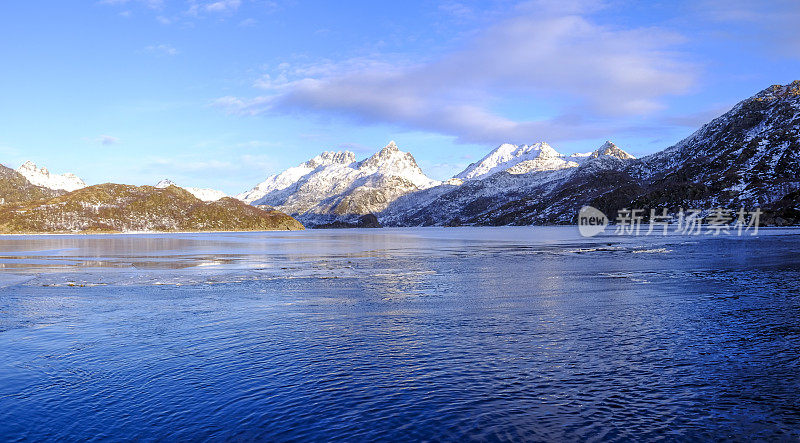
column 383, row 228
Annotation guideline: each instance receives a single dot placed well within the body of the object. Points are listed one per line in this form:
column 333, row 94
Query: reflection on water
column 442, row 334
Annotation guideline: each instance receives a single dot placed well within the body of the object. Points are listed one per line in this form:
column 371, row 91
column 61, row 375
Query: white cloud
column 547, row 50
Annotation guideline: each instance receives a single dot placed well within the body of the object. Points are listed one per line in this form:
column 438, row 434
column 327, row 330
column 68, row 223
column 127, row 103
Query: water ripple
column 530, row 334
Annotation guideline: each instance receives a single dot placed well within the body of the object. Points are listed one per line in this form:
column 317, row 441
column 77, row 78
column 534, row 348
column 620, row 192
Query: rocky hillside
column 205, row 194
column 750, row 156
column 15, row 188
column 124, row 208
column 333, row 186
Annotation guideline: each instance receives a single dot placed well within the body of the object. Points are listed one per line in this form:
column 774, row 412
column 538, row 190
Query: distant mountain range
column 749, row 157
column 553, row 185
column 28, row 208
column 333, row 189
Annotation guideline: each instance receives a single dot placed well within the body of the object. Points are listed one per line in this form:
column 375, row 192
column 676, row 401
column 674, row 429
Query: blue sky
column 222, row 93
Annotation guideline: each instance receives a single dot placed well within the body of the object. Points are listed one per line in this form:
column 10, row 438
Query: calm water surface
column 400, row 334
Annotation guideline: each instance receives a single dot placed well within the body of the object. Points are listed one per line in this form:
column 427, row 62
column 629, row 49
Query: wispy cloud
column 183, row 166
column 224, row 5
column 254, row 144
column 219, row 6
column 443, row 171
column 107, row 140
column 547, row 49
column 771, row 26
column 162, row 49
column 152, row 4
column 458, row 10
column 699, row 118
column 185, row 12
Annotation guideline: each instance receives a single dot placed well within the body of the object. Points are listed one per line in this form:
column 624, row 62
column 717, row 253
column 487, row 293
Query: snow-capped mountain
column 44, row 178
column 334, row 185
column 494, row 196
column 205, row 194
column 522, row 159
column 517, row 160
column 291, row 176
column 608, row 149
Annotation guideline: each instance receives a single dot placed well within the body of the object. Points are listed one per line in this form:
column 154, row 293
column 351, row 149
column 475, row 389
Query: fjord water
column 399, row 334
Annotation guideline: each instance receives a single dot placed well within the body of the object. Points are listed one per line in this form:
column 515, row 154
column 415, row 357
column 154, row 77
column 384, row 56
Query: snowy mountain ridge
column 40, row 176
column 523, row 159
column 334, row 184
column 507, row 156
column 292, row 175
column 204, row 194
column 489, row 197
column 333, row 187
